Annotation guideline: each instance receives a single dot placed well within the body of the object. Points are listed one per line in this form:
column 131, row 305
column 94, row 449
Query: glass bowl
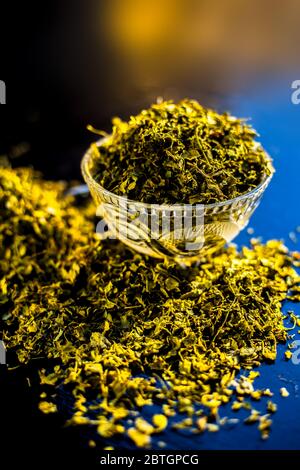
column 184, row 232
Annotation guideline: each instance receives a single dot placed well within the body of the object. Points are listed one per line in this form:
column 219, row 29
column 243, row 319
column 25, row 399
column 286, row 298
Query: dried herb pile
column 121, row 330
column 181, row 152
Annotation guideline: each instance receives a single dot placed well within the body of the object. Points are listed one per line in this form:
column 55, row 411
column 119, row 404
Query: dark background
column 67, row 63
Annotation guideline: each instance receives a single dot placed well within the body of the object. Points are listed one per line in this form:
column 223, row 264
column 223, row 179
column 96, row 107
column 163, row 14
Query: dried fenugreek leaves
column 122, row 330
column 180, row 153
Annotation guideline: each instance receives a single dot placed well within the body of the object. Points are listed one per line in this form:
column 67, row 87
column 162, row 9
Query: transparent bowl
column 182, row 232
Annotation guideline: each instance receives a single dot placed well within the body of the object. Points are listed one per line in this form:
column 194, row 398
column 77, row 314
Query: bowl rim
column 89, row 179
